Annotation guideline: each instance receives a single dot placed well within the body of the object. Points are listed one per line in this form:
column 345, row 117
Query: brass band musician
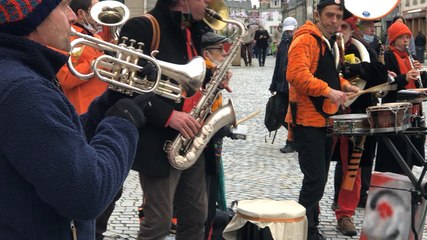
column 169, row 191
column 374, row 73
column 314, row 84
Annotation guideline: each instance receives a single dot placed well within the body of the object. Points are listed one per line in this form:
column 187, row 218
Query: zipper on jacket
column 73, row 230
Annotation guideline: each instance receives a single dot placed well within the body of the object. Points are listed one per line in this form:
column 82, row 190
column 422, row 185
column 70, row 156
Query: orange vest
column 81, row 92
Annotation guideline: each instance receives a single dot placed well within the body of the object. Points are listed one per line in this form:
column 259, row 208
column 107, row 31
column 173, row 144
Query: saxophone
column 183, row 153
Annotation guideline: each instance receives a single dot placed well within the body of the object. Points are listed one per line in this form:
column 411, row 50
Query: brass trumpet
column 121, row 71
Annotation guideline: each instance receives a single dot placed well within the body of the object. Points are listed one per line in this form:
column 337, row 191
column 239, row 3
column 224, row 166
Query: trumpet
column 121, row 71
column 111, row 15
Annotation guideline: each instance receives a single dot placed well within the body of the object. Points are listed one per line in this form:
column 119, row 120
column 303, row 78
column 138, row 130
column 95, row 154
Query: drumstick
column 353, row 165
column 248, row 117
column 381, row 87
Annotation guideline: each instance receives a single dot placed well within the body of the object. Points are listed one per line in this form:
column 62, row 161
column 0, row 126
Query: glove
column 148, row 70
column 131, row 109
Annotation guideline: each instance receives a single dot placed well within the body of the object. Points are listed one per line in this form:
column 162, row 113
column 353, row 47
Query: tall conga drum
column 266, row 219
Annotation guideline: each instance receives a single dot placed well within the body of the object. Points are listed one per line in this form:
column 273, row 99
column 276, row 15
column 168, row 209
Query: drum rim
column 398, row 105
column 355, row 116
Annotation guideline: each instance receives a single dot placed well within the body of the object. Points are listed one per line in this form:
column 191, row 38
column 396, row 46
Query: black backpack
column 275, row 112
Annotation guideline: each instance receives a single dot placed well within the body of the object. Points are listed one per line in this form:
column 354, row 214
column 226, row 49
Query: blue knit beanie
column 21, row 17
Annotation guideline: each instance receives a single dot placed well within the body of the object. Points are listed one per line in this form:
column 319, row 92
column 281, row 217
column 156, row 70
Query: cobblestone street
column 254, row 168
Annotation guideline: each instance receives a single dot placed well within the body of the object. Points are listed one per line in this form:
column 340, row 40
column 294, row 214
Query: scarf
column 404, row 64
column 190, row 102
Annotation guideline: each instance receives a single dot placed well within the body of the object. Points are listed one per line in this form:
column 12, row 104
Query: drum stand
column 419, row 192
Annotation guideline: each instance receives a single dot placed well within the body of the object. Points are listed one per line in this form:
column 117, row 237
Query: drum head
column 397, row 104
column 368, row 10
column 349, row 116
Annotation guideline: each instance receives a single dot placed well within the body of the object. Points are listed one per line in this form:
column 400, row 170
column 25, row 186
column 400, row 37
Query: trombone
column 120, row 71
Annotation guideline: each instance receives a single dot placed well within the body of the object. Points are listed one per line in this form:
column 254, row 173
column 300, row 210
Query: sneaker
column 288, row 148
column 346, row 226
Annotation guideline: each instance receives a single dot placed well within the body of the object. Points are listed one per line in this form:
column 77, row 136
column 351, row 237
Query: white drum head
column 266, row 208
column 370, row 9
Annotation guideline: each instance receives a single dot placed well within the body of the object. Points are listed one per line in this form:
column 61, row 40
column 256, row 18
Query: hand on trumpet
column 148, row 70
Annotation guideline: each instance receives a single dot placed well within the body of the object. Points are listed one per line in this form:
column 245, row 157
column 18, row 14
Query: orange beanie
column 396, row 30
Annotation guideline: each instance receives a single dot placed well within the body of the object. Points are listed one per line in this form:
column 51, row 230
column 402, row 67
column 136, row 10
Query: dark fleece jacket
column 49, row 172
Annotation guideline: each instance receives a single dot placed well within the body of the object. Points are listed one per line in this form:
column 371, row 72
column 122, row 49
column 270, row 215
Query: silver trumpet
column 120, row 71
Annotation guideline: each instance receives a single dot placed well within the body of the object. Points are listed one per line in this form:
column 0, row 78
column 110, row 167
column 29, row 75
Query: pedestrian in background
column 276, row 38
column 248, row 45
column 261, row 43
column 420, row 46
column 58, row 170
column 279, row 85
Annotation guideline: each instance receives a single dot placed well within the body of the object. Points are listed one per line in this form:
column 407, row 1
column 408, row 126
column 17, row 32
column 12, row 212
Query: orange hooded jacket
column 81, row 92
column 303, row 58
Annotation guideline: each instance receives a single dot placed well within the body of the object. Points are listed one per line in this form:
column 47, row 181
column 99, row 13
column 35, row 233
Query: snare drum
column 389, row 117
column 350, row 124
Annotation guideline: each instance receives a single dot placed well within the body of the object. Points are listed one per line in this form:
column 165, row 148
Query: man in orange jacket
column 81, row 92
column 316, row 91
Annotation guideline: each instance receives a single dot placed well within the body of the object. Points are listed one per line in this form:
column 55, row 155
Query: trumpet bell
column 365, row 10
column 110, row 13
column 219, row 7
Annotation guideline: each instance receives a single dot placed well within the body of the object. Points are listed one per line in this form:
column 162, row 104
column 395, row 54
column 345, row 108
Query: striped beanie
column 21, row 17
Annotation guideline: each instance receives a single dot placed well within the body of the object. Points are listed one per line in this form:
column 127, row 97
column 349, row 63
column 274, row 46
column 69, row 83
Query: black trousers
column 314, row 149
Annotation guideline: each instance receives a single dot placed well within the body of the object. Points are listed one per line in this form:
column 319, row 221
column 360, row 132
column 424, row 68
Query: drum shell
column 389, row 117
column 349, row 124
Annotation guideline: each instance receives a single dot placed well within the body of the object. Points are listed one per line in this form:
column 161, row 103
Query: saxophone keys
column 207, row 129
column 198, row 142
column 180, row 159
column 191, row 157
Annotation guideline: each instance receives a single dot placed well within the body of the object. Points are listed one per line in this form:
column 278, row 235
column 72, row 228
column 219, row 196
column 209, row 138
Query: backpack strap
column 156, row 31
